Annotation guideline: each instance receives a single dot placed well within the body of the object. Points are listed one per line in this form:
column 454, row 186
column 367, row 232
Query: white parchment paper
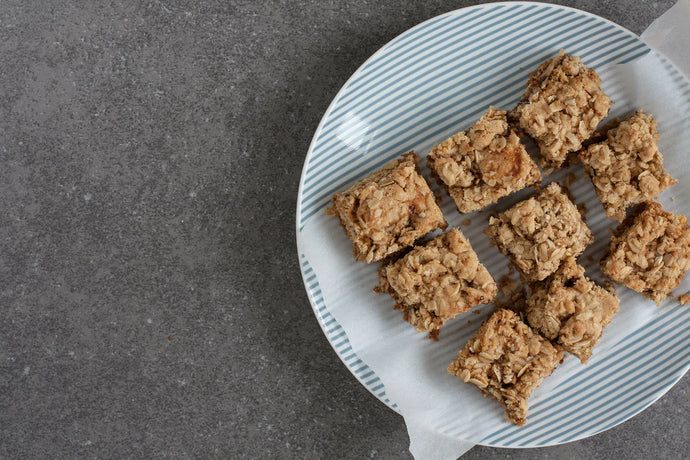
column 444, row 416
column 670, row 35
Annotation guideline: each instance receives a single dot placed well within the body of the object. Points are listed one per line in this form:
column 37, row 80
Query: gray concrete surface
column 150, row 300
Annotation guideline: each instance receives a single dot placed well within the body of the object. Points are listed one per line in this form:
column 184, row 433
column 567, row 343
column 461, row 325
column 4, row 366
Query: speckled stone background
column 150, row 300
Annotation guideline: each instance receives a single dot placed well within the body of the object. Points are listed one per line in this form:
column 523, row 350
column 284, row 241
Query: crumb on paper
column 570, row 180
column 570, row 309
column 433, row 335
column 511, row 268
column 684, row 299
column 590, row 259
column 507, row 285
column 516, row 302
column 476, row 312
column 512, row 295
column 469, row 322
column 673, row 198
column 466, row 222
column 437, row 197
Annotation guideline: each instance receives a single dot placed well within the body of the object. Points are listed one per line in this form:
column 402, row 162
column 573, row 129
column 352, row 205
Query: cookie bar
column 562, row 106
column 537, row 234
column 436, row 281
column 570, row 309
column 484, row 164
column 650, row 251
column 627, row 168
column 507, row 360
column 388, row 210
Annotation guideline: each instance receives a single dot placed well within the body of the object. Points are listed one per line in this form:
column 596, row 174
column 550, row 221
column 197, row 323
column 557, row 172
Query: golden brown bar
column 537, row 234
column 561, row 108
column 388, row 210
column 571, row 309
column 627, row 168
column 438, row 280
column 650, row 251
column 484, row 164
column 507, row 361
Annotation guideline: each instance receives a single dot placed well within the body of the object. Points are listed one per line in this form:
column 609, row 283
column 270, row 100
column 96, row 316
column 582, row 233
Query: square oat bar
column 562, row 106
column 570, row 309
column 484, row 164
column 388, row 210
column 436, row 281
column 507, row 360
column 650, row 251
column 627, row 168
column 537, row 234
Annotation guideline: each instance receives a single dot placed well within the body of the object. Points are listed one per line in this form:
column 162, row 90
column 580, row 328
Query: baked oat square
column 627, row 168
column 650, row 251
column 388, row 210
column 562, row 106
column 484, row 164
column 507, row 360
column 436, row 281
column 537, row 234
column 570, row 309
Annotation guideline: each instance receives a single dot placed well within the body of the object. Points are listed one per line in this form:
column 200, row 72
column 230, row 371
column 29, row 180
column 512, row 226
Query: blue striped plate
column 435, row 80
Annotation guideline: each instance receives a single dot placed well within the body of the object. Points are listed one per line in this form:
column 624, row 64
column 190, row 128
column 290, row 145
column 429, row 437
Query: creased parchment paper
column 445, row 417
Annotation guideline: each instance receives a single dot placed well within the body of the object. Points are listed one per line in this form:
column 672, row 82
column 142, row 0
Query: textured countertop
column 151, row 300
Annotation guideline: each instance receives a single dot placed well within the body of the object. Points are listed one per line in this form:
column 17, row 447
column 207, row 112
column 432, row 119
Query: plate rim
column 511, row 4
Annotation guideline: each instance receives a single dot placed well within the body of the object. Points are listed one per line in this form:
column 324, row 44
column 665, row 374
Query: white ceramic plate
column 435, row 80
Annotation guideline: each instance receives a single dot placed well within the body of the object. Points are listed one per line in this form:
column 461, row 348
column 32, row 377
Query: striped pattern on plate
column 436, row 79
